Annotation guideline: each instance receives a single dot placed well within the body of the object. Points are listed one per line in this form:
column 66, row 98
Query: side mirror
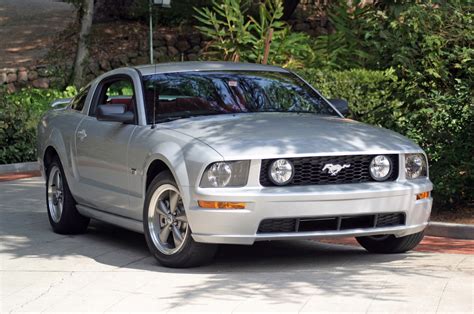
column 114, row 113
column 61, row 103
column 341, row 105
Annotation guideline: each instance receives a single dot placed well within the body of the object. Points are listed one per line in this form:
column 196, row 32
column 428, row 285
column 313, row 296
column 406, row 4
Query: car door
column 102, row 149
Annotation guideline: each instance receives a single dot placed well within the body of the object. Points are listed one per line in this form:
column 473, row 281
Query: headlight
column 226, row 174
column 415, row 166
column 380, row 168
column 281, row 171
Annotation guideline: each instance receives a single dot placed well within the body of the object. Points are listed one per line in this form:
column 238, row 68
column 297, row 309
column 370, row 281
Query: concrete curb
column 19, row 167
column 450, row 230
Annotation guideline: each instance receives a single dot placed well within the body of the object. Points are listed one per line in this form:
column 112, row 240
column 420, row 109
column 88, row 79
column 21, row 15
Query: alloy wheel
column 55, row 194
column 167, row 221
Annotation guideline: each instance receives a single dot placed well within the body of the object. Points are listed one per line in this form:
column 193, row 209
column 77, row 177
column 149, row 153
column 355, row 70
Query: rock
column 172, row 51
column 41, row 83
column 11, row 88
column 94, row 68
column 104, row 64
column 11, row 77
column 3, row 78
column 32, row 75
column 115, row 63
column 142, row 60
column 43, row 72
column 22, row 75
column 183, row 45
column 161, row 51
column 196, row 49
column 321, row 31
column 323, row 20
column 194, row 39
column 192, row 57
column 302, row 27
column 170, row 39
column 123, row 60
column 314, row 23
column 159, row 43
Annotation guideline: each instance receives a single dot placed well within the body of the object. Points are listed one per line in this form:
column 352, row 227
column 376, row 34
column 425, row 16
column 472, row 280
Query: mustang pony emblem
column 334, row 169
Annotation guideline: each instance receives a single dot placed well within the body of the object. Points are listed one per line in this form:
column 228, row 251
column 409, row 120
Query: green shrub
column 19, row 116
column 369, row 93
column 236, row 36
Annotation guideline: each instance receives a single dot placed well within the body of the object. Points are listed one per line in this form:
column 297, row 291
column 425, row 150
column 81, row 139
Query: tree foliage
column 237, row 36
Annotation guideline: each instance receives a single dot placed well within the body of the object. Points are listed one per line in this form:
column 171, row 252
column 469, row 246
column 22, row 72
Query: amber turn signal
column 221, row 205
column 422, row 195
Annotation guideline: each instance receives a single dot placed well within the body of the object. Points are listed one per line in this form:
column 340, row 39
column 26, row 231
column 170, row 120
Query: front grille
column 309, row 170
column 334, row 223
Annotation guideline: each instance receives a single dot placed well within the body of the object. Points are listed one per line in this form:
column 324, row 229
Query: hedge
column 19, row 116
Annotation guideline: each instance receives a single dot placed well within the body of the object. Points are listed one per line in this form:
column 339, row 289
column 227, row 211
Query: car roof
column 188, row 66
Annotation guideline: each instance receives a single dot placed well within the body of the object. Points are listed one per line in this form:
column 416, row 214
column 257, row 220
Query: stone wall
column 15, row 78
column 126, row 44
column 168, row 45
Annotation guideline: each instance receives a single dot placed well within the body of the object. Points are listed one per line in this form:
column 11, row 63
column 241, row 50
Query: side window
column 80, row 99
column 115, row 91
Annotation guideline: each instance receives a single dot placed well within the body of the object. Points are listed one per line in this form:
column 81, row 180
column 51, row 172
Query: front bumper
column 241, row 226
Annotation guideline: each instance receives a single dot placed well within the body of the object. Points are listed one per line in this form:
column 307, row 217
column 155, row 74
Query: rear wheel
column 62, row 213
column 389, row 243
column 167, row 231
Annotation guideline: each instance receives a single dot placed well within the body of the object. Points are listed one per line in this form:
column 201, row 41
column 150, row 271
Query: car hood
column 270, row 135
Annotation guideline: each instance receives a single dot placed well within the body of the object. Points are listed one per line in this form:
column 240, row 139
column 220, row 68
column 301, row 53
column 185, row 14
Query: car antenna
column 153, row 125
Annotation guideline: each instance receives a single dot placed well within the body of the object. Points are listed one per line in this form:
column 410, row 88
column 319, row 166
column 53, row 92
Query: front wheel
column 389, row 243
column 167, row 231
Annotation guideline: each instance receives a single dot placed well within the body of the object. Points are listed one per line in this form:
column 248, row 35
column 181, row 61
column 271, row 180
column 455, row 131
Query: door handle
column 81, row 134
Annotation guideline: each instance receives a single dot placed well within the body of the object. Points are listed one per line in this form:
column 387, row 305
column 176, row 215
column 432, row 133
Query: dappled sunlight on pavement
column 110, row 269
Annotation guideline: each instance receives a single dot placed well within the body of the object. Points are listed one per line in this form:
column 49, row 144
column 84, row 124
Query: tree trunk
column 289, row 6
column 82, row 50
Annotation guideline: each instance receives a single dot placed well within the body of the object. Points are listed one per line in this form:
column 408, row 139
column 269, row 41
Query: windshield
column 186, row 94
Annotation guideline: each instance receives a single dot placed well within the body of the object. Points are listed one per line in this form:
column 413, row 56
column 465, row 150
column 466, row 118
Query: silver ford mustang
column 195, row 154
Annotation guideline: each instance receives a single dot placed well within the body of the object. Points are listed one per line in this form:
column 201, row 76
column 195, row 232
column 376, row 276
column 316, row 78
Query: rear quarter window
column 79, row 101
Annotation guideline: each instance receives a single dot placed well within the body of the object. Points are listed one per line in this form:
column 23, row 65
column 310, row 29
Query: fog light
column 281, row 171
column 422, row 195
column 380, row 168
column 221, row 205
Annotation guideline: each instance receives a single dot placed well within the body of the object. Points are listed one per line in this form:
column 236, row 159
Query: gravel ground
column 27, row 27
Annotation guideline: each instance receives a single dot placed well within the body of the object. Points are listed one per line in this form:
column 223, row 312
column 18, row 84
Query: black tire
column 389, row 244
column 191, row 253
column 69, row 221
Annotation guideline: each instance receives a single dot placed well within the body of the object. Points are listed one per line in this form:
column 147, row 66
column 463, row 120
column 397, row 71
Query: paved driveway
column 27, row 28
column 109, row 269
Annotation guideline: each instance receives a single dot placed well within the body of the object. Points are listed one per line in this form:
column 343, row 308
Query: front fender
column 186, row 162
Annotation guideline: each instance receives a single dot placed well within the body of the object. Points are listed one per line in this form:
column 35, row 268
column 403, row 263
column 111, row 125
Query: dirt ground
column 27, row 28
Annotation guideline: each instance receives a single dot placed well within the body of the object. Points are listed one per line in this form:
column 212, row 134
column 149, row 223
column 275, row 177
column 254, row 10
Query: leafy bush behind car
column 19, row 116
column 235, row 35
